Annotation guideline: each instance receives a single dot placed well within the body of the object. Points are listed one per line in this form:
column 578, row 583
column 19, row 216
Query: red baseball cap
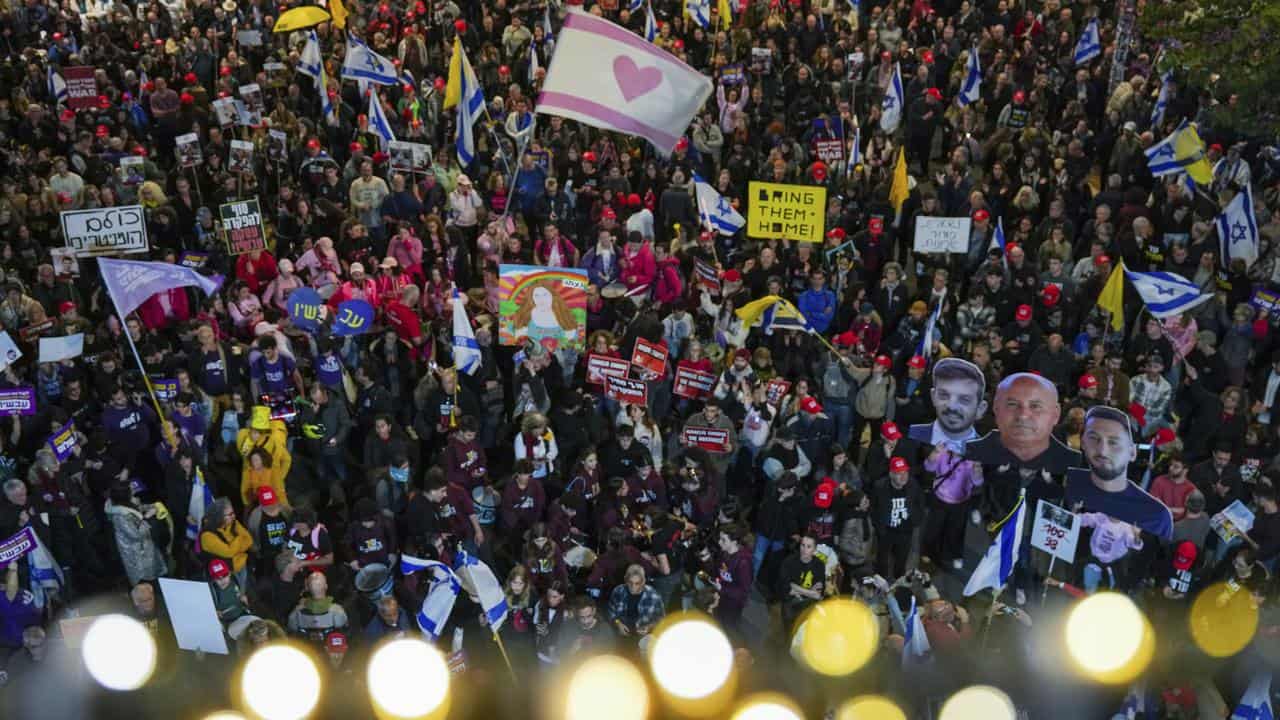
column 313, row 143
column 846, row 339
column 187, row 99
column 810, row 405
column 1185, row 556
column 1087, row 381
column 267, row 496
column 897, row 465
column 1101, row 260
column 1164, row 436
column 819, row 170
column 189, row 78
column 588, row 156
column 1050, row 295
column 889, row 430
column 825, row 493
column 917, row 361
column 981, row 215
column 218, row 569
column 927, row 56
column 884, row 361
column 355, row 146
column 1019, row 97
column 460, row 25
column 836, row 233
column 934, row 93
column 732, row 276
column 504, row 70
column 608, row 214
column 101, row 131
column 682, row 143
column 875, row 226
column 1023, row 312
column 336, row 642
column 65, row 307
column 633, row 200
column 1139, row 412
column 68, row 114
column 225, row 70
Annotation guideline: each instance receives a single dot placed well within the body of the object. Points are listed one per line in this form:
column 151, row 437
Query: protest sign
column 55, row 349
column 63, row 442
column 776, row 390
column 600, row 367
column 18, row 401
column 241, row 158
column 1232, row 520
column 254, row 105
column 761, row 60
column 546, row 305
column 732, row 74
column 691, row 382
column 165, row 388
column 626, row 390
column 401, row 155
column 187, row 148
column 224, row 109
column 650, row 356
column 29, row 333
column 708, row 277
column 786, row 212
column 942, row 234
column 306, row 308
column 133, row 170
column 1056, row 531
column 242, row 226
column 195, row 620
column 21, row 543
column 9, row 352
column 830, row 151
column 105, row 231
column 193, row 259
column 1267, row 300
column 249, row 38
column 65, row 263
column 354, row 317
column 277, row 147
column 277, row 74
column 82, row 87
column 707, row 438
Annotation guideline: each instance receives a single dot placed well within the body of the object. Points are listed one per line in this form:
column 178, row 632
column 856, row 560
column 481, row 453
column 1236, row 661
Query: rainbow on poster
column 548, row 305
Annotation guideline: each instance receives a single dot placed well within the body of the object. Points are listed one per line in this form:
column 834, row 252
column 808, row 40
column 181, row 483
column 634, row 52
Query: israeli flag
column 650, row 24
column 142, row 83
column 716, row 211
column 1135, row 702
column 855, row 152
column 1238, row 229
column 478, row 580
column 378, row 120
column 46, row 574
column 547, row 31
column 466, row 351
column 362, row 63
column 441, row 595
column 997, row 240
column 1162, row 158
column 57, row 87
column 971, row 90
column 915, row 642
column 310, row 62
column 1162, row 101
column 634, row 5
column 410, row 564
column 699, row 11
column 1166, row 294
column 1089, row 46
column 891, row 105
column 996, row 566
column 930, row 328
column 533, row 64
column 470, row 108
column 1256, row 703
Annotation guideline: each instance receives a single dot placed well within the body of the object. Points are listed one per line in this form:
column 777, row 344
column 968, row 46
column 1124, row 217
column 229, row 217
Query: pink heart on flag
column 634, row 81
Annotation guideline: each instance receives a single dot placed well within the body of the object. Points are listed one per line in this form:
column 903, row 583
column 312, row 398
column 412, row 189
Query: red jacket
column 257, row 275
column 669, row 287
column 152, row 311
column 639, row 269
column 347, row 291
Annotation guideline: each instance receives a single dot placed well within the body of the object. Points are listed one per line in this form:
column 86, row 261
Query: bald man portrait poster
column 1027, row 410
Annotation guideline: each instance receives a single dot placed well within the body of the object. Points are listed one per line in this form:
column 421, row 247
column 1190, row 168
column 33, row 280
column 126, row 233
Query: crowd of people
column 291, row 468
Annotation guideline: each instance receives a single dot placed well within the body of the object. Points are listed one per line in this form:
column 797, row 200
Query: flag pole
column 505, row 658
column 168, row 431
column 991, row 613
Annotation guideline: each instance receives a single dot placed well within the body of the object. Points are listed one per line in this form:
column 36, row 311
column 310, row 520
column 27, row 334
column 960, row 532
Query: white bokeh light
column 119, row 652
column 978, row 702
column 607, row 681
column 280, row 682
column 691, row 659
column 408, row 678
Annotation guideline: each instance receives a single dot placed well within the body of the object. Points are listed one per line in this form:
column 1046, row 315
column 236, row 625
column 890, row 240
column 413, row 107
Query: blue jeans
column 1093, row 576
column 764, row 546
column 842, row 417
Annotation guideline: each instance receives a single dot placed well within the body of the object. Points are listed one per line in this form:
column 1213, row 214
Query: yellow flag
column 300, row 18
column 453, row 90
column 339, row 13
column 726, row 13
column 899, row 191
column 1188, row 148
column 752, row 311
column 1111, row 298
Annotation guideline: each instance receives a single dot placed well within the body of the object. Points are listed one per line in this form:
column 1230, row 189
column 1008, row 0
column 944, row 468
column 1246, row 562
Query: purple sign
column 17, row 546
column 63, row 441
column 18, row 401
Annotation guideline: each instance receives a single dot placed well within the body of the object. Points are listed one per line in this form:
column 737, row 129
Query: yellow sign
column 786, row 212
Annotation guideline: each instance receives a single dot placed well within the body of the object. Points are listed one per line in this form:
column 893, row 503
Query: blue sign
column 164, row 388
column 354, row 317
column 306, row 307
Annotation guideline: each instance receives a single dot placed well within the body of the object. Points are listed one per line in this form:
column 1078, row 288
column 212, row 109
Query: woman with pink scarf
column 321, row 262
column 406, row 248
column 276, row 294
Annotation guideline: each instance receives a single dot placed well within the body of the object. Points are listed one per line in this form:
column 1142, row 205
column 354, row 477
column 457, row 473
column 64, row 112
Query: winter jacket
column 141, row 558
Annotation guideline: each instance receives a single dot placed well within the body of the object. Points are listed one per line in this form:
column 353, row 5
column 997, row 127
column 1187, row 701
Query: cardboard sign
column 18, row 401
column 708, row 277
column 195, row 620
column 547, row 305
column 707, row 438
column 105, row 231
column 1056, row 531
column 306, row 308
column 165, row 388
column 30, row 332
column 9, row 352
column 942, row 234
column 652, row 357
column 82, row 88
column 692, row 383
column 786, row 212
column 187, row 147
column 224, row 109
column 56, row 349
column 241, row 157
column 829, row 151
column 626, row 390
column 277, row 147
column 65, row 263
column 1232, row 520
column 192, row 259
column 354, row 317
column 63, row 442
column 1266, row 300
column 776, row 390
column 15, row 547
column 761, row 60
column 732, row 74
column 600, row 367
column 242, row 226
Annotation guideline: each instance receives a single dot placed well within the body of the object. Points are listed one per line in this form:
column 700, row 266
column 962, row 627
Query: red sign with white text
column 692, row 383
column 626, row 390
column 601, row 366
column 650, row 356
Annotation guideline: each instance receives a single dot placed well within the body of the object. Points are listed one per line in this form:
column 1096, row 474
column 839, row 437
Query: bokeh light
column 691, row 658
column 768, row 706
column 1223, row 621
column 1108, row 638
column 840, row 635
column 978, row 702
column 119, row 652
column 224, row 715
column 870, row 707
column 408, row 679
column 280, row 682
column 607, row 681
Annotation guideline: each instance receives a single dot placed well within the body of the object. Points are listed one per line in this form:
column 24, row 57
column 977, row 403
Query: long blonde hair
column 564, row 316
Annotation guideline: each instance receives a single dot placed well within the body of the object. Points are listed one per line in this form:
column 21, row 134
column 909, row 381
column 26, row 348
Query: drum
column 579, row 558
column 374, row 581
column 613, row 291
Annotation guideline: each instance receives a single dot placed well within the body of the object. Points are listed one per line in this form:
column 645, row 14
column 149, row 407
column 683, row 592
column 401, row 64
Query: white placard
column 53, row 349
column 195, row 619
column 1056, row 531
column 9, row 352
column 942, row 234
column 105, row 231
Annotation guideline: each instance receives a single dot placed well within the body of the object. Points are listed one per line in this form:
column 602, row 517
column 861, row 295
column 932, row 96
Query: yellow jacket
column 251, row 480
column 231, row 544
column 275, row 444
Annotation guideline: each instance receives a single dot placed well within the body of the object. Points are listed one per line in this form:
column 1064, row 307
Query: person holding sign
column 714, row 418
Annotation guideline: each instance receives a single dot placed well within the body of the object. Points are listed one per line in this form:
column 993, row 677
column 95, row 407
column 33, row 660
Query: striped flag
column 463, row 90
column 57, row 87
column 971, row 90
column 855, row 152
column 930, row 329
column 891, row 105
column 362, row 63
column 378, row 120
column 915, row 642
column 1162, row 102
column 707, row 275
column 466, row 351
column 650, row 24
column 311, row 64
column 699, row 11
column 1167, row 294
column 480, row 582
column 998, row 242
column 717, row 213
column 1256, row 703
column 782, row 315
column 1238, row 229
column 996, row 566
column 1090, row 44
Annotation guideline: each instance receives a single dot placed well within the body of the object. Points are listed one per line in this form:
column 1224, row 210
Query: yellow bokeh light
column 280, row 682
column 978, row 702
column 1222, row 622
column 408, row 679
column 768, row 706
column 870, row 707
column 119, row 652
column 224, row 715
column 1108, row 638
column 607, row 681
column 840, row 636
column 691, row 658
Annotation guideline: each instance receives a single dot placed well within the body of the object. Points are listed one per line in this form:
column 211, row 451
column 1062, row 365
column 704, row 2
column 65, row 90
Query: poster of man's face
column 277, row 146
column 1026, row 410
column 958, row 395
column 1104, row 486
column 241, row 157
column 188, row 149
column 64, row 262
column 402, row 156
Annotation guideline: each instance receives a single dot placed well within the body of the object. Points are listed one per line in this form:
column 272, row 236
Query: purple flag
column 131, row 282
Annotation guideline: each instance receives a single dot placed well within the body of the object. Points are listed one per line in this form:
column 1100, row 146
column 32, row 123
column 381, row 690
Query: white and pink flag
column 608, row 77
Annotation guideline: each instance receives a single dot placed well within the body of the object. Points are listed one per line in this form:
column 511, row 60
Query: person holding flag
column 891, row 105
column 464, row 92
column 1089, row 46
